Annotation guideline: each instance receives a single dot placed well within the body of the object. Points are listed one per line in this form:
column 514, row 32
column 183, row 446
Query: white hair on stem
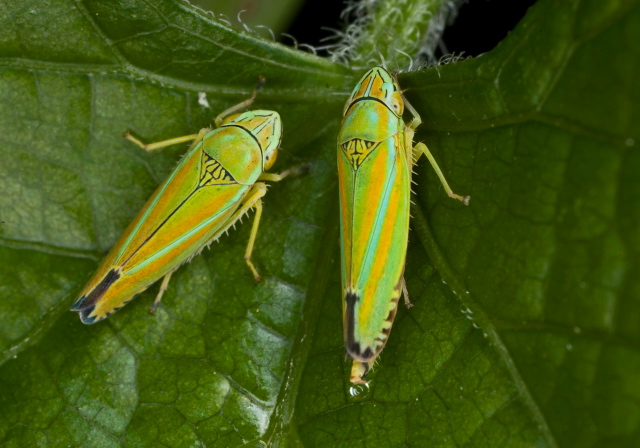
column 295, row 41
column 410, row 28
column 273, row 36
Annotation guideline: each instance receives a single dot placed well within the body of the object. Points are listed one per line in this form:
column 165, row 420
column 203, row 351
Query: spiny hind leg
column 252, row 240
column 420, row 149
column 172, row 141
column 253, row 200
column 163, row 288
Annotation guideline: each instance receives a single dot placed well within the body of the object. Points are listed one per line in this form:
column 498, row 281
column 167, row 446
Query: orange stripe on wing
column 379, row 285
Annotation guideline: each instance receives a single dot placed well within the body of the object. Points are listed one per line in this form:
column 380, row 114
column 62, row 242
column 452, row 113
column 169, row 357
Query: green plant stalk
column 395, row 33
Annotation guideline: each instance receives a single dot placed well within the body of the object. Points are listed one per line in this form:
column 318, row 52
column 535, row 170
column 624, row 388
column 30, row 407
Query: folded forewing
column 186, row 211
column 375, row 225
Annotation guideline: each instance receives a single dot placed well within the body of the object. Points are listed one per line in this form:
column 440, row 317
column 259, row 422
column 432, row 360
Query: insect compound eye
column 270, row 158
column 397, row 104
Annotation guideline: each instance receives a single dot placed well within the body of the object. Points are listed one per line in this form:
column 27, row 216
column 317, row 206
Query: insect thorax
column 213, row 173
column 235, row 155
column 357, row 150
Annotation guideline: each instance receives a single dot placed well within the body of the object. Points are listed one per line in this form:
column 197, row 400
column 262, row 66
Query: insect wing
column 184, row 214
column 374, row 204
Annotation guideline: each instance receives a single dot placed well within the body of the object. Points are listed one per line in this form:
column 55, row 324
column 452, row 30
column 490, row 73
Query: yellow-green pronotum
column 214, row 185
column 375, row 159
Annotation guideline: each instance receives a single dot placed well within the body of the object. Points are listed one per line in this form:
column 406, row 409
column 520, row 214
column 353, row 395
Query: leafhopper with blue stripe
column 219, row 180
column 376, row 155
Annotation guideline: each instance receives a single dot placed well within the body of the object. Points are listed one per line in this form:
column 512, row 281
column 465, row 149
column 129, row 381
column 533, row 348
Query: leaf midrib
column 480, row 317
column 281, row 423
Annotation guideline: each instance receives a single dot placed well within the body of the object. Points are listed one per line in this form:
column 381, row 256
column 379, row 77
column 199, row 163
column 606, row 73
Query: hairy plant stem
column 394, row 33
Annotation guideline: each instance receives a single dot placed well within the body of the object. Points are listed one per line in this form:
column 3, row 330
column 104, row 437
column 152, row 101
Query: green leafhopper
column 375, row 159
column 217, row 182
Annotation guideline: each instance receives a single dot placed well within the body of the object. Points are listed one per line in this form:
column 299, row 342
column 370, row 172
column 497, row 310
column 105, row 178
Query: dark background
column 478, row 28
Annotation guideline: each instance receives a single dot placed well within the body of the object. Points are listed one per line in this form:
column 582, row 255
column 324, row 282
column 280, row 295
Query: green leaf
column 525, row 325
column 256, row 15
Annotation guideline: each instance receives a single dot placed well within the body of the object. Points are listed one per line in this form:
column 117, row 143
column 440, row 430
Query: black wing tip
column 77, row 304
column 353, row 347
column 85, row 314
column 354, row 350
column 87, row 303
column 81, row 303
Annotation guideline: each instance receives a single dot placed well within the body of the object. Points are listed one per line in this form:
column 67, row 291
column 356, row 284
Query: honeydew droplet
column 359, row 391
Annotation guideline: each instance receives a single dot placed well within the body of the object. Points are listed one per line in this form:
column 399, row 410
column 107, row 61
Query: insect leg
column 252, row 239
column 253, row 201
column 164, row 143
column 407, row 302
column 275, row 177
column 417, row 120
column 420, row 149
column 163, row 288
column 244, row 104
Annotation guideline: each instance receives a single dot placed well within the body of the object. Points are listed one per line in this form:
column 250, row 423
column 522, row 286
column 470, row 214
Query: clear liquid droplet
column 359, row 391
